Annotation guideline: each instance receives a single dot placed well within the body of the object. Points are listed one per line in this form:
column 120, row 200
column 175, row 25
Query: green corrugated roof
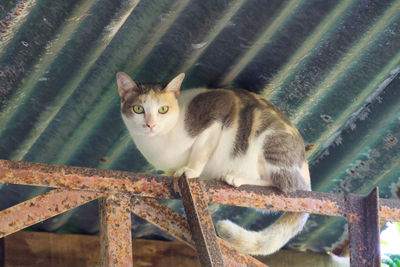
column 331, row 66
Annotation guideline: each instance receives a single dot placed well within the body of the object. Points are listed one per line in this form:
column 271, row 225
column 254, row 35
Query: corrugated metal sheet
column 331, row 66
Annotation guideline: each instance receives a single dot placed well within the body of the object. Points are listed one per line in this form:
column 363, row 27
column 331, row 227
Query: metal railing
column 121, row 193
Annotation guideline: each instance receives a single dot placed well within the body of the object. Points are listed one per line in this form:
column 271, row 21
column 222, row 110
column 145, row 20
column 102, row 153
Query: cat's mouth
column 150, row 131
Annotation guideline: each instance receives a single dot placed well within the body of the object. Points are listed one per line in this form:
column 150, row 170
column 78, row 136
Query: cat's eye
column 138, row 109
column 163, row 109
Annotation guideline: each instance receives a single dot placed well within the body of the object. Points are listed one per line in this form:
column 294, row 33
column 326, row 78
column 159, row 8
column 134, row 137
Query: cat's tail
column 266, row 241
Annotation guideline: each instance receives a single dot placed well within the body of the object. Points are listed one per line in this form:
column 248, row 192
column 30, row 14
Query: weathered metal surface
column 176, row 225
column 363, row 221
column 40, row 208
column 115, row 232
column 235, row 258
column 96, row 180
column 85, row 179
column 195, row 202
column 270, row 198
column 163, row 217
column 2, row 252
column 389, row 210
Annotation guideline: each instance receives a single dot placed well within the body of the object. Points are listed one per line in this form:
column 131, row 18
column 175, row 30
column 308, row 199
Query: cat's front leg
column 201, row 152
column 189, row 173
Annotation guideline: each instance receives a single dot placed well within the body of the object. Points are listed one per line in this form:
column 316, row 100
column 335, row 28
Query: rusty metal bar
column 200, row 223
column 363, row 221
column 270, row 198
column 163, row 217
column 2, row 252
column 389, row 210
column 41, row 208
column 37, row 174
column 176, row 225
column 116, row 230
column 78, row 178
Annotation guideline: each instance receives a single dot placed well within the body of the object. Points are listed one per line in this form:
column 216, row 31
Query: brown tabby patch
column 205, row 108
column 229, row 105
column 284, row 149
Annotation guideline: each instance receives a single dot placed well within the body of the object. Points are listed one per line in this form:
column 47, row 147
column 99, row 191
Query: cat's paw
column 189, row 173
column 233, row 180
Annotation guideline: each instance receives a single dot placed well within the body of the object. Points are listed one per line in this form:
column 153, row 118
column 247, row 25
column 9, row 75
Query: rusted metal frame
column 301, row 201
column 105, row 181
column 2, row 252
column 79, row 178
column 42, row 207
column 116, row 230
column 176, row 225
column 270, row 198
column 38, row 174
column 363, row 224
column 201, row 226
column 163, row 217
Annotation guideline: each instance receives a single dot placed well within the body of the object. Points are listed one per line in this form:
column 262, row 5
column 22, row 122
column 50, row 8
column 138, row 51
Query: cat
column 231, row 135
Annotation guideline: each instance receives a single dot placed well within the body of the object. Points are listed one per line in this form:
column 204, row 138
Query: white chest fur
column 165, row 152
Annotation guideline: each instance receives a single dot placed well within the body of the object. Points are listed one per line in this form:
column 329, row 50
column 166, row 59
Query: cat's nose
column 151, row 125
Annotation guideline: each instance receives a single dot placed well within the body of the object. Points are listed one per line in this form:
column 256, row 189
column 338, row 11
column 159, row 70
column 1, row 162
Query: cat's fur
column 227, row 134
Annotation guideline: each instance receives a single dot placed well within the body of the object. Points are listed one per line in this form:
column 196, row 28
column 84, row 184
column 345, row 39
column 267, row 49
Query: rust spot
column 310, row 147
column 339, row 249
column 3, row 31
column 326, row 118
column 103, row 159
column 5, row 23
column 24, row 43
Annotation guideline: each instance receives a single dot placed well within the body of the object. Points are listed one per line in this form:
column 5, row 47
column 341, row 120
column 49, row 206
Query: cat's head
column 149, row 109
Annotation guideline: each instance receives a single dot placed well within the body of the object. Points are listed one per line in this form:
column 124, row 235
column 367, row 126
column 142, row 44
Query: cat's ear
column 174, row 86
column 126, row 85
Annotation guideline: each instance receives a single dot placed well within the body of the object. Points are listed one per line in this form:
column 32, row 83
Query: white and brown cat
column 226, row 134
